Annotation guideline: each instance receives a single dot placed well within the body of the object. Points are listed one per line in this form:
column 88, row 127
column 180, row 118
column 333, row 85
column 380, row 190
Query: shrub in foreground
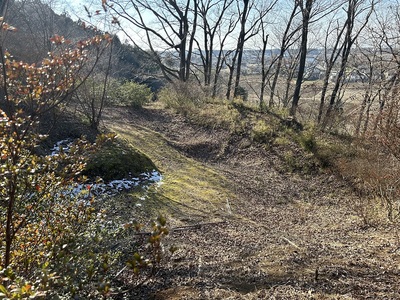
column 52, row 237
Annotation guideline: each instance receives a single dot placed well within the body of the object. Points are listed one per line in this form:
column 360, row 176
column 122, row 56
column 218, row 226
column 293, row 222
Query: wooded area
column 287, row 41
column 262, row 137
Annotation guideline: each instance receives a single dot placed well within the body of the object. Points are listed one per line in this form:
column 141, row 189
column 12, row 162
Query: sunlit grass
column 189, row 189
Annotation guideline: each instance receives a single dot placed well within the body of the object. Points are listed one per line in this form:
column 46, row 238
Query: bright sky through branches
column 76, row 10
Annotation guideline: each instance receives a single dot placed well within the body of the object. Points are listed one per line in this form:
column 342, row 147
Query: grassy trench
column 190, row 191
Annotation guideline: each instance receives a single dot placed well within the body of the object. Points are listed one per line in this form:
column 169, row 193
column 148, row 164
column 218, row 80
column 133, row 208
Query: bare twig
column 119, row 273
column 291, row 243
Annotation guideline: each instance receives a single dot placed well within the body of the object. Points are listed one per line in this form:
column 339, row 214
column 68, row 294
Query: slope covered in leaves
column 249, row 220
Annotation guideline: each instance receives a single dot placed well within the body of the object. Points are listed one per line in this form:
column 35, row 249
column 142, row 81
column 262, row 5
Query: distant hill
column 36, row 23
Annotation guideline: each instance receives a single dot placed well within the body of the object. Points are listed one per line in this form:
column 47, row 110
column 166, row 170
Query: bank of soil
column 272, row 234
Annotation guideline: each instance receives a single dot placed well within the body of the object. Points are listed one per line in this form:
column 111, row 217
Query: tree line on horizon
column 188, row 41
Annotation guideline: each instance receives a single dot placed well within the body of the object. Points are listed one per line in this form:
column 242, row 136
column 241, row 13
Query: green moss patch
column 118, row 160
column 190, row 190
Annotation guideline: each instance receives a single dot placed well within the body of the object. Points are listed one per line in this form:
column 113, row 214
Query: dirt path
column 268, row 234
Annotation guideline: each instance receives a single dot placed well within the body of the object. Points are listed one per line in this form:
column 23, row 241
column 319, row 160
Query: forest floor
column 245, row 226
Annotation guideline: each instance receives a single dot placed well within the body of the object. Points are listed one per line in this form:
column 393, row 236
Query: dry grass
column 287, row 235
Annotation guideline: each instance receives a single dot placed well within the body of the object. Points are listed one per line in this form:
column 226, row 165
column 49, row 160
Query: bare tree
column 355, row 9
column 238, row 53
column 92, row 95
column 223, row 35
column 264, row 70
column 286, row 41
column 305, row 8
column 311, row 11
column 369, row 67
column 263, row 15
column 249, row 27
column 289, row 69
column 387, row 28
column 168, row 26
column 260, row 14
column 334, row 32
column 377, row 63
column 212, row 15
column 37, row 23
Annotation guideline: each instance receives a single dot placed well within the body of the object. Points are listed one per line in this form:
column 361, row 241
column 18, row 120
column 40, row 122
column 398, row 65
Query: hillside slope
column 245, row 227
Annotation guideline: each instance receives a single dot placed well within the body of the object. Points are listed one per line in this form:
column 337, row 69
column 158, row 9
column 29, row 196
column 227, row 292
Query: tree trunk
column 276, row 76
column 264, row 72
column 361, row 112
column 240, row 46
column 323, row 95
column 306, row 12
column 230, row 79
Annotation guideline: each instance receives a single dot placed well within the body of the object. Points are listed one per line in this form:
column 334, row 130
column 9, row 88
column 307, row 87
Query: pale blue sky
column 76, row 10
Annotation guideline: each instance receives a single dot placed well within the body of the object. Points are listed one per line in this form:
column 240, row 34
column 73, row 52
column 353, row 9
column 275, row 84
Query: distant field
column 351, row 98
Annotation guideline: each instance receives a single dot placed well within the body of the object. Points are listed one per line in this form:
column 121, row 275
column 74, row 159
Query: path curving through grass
column 191, row 192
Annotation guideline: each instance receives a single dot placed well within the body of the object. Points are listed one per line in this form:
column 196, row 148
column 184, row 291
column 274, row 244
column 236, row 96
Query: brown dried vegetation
column 264, row 219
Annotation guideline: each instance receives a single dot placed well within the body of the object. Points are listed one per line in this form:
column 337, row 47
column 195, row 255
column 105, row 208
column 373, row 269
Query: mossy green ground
column 190, row 192
column 118, row 160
